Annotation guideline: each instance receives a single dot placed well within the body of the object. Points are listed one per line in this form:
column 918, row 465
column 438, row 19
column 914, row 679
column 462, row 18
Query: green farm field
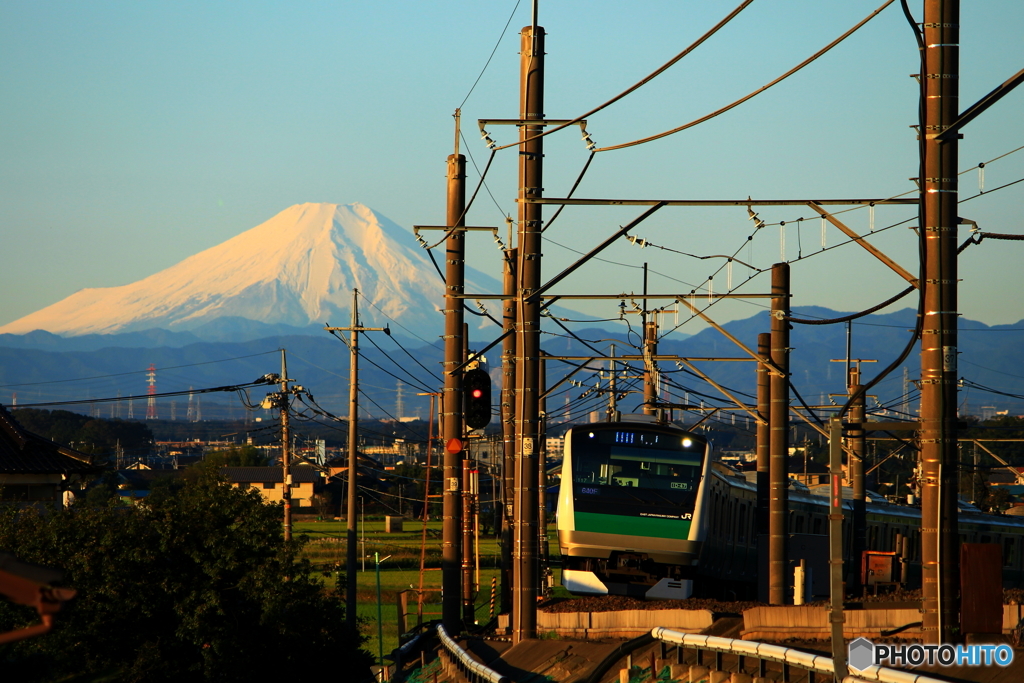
column 326, row 550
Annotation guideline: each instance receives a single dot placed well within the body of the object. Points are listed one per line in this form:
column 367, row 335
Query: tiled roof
column 22, row 452
column 140, row 479
column 256, row 475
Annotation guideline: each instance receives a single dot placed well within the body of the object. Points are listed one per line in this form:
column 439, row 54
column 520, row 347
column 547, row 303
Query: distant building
column 269, row 481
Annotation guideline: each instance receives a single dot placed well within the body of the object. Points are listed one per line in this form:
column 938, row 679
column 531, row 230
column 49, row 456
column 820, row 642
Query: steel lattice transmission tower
column 151, row 392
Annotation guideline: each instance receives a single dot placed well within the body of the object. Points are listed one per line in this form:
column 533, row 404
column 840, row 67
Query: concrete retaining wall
column 812, row 623
column 626, row 624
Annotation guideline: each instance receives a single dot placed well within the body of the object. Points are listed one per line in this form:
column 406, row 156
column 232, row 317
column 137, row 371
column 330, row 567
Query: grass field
column 326, row 549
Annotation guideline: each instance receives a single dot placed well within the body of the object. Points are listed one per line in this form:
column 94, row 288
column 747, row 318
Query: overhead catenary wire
column 644, row 81
column 760, row 90
column 982, row 164
column 491, row 56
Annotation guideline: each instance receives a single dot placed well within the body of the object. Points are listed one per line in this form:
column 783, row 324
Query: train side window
column 799, row 524
column 816, row 525
column 1007, row 551
column 742, row 522
column 718, row 517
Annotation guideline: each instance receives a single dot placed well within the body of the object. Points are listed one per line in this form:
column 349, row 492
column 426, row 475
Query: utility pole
column 939, row 483
column 650, row 365
column 286, row 451
column 452, row 429
column 531, row 185
column 764, row 350
column 778, row 420
column 508, row 424
column 612, row 398
column 835, row 547
column 542, row 475
column 353, row 429
column 855, row 462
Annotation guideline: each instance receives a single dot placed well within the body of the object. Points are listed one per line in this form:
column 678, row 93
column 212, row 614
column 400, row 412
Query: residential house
column 269, row 481
column 35, row 470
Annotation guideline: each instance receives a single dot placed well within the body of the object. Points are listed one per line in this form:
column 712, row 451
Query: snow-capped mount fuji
column 297, row 269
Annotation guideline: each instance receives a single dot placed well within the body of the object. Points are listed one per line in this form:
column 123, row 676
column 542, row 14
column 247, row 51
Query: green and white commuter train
column 644, row 511
column 632, row 509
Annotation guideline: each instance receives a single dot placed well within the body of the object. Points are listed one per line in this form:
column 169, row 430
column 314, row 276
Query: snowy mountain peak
column 298, row 268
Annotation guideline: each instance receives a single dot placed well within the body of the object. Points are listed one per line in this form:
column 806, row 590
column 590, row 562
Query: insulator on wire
column 588, row 141
column 752, row 215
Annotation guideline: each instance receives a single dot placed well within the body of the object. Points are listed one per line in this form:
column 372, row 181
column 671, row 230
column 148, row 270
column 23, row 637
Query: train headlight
column 687, row 442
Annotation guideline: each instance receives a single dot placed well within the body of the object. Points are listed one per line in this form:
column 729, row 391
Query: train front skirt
column 580, row 582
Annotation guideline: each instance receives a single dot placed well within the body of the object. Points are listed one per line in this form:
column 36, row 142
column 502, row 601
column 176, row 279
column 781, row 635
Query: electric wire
column 982, row 164
column 657, row 72
column 488, row 62
column 918, row 326
column 227, row 388
column 487, row 187
column 397, row 324
column 760, row 90
column 141, row 372
column 469, row 204
column 418, row 385
column 572, row 189
column 400, row 366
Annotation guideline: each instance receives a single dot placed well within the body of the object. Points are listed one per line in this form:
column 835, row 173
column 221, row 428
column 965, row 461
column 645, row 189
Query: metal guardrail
column 473, row 670
column 818, row 664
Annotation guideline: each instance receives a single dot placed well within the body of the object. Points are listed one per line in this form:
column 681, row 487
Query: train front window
column 638, row 460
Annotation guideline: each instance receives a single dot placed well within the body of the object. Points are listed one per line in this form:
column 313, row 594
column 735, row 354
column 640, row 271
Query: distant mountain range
column 37, row 366
column 218, row 318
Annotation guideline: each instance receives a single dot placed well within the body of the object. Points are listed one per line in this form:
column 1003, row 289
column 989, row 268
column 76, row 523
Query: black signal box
column 476, row 398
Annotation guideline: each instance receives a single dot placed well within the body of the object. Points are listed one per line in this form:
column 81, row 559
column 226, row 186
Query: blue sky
column 136, row 134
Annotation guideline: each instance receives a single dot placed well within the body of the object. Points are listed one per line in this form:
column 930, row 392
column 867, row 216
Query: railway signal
column 476, row 392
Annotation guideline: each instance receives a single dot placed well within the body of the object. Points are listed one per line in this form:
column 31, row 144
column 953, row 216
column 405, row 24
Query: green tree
column 87, row 434
column 244, row 456
column 194, row 583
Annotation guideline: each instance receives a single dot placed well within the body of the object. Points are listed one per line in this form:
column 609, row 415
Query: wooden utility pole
column 508, row 423
column 939, row 525
column 778, row 420
column 612, row 374
column 650, row 365
column 286, row 451
column 764, row 350
column 353, row 430
column 855, row 466
column 835, row 547
column 452, row 428
column 531, row 152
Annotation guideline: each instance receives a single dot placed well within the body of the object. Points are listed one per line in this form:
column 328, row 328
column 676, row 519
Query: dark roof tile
column 255, row 475
column 22, row 452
